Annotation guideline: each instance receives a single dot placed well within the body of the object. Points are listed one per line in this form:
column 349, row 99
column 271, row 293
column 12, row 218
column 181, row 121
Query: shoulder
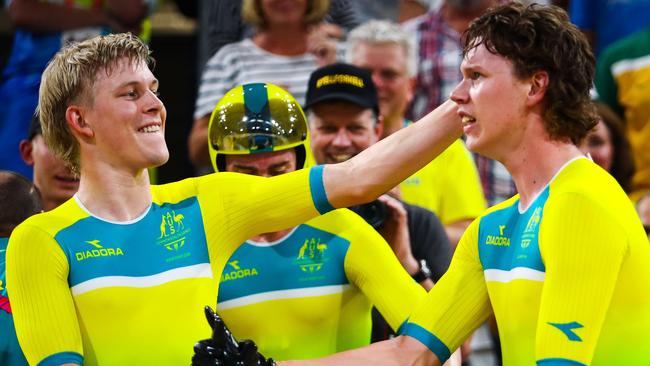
column 176, row 191
column 341, row 218
column 584, row 188
column 455, row 154
column 51, row 222
column 344, row 223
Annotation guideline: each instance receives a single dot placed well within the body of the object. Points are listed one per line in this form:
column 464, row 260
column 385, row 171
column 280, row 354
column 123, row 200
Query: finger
column 210, row 316
column 207, row 348
column 248, row 353
column 221, row 335
column 202, row 360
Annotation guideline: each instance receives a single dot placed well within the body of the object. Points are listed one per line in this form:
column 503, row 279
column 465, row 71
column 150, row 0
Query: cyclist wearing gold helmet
column 306, row 291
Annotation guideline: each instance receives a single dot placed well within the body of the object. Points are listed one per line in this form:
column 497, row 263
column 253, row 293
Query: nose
column 153, row 102
column 460, row 93
column 342, row 138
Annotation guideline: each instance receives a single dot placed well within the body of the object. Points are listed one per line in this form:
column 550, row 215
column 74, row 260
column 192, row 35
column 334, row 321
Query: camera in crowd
column 375, row 213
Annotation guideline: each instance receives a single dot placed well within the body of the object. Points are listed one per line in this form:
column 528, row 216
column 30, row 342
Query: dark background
column 174, row 46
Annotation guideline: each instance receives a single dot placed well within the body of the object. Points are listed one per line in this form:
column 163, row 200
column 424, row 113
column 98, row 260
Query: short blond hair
column 69, row 77
column 252, row 12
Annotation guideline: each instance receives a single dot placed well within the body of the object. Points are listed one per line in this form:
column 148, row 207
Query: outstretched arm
column 385, row 164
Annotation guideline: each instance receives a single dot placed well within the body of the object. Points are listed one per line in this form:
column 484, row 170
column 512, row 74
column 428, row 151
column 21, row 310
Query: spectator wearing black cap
column 52, row 177
column 343, row 113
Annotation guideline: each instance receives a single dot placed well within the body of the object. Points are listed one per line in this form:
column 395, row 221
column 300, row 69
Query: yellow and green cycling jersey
column 449, row 186
column 86, row 290
column 311, row 293
column 567, row 277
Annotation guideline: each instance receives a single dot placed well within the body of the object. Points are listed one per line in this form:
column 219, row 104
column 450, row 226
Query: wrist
column 423, row 273
column 410, row 264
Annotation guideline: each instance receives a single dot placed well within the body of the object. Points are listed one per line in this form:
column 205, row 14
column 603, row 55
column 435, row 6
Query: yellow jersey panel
column 310, row 294
column 436, row 187
column 567, row 277
column 87, row 290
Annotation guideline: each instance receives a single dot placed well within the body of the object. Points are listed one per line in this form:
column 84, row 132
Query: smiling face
column 492, row 103
column 341, row 130
column 388, row 65
column 52, row 177
column 598, row 144
column 125, row 118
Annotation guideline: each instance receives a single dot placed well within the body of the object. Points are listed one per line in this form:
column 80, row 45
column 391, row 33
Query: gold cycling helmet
column 257, row 118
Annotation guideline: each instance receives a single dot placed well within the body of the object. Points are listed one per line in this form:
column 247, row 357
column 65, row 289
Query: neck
column 531, row 173
column 116, row 195
column 50, row 204
column 271, row 237
column 392, row 124
column 284, row 41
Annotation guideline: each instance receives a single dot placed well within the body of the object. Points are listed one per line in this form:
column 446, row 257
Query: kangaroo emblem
column 163, row 228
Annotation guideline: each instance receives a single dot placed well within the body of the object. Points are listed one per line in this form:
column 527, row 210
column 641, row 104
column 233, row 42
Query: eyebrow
column 279, row 165
column 154, row 83
column 244, row 167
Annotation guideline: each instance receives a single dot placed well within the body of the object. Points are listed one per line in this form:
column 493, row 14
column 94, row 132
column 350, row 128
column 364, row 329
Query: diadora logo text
column 498, row 240
column 98, row 250
column 172, row 230
column 234, row 271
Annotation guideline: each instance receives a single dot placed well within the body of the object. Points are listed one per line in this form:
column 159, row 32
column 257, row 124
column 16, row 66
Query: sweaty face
column 341, row 130
column 266, row 164
column 491, row 103
column 388, row 65
column 598, row 144
column 53, row 179
column 127, row 118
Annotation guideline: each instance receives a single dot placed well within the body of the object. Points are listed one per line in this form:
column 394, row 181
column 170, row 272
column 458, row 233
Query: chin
column 159, row 158
column 472, row 144
column 162, row 160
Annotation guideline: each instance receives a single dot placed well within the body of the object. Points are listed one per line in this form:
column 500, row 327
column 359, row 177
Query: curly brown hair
column 541, row 38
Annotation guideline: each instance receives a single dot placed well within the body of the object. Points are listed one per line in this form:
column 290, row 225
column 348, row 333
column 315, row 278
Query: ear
column 379, row 127
column 75, row 117
column 26, row 149
column 538, row 84
column 411, row 87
